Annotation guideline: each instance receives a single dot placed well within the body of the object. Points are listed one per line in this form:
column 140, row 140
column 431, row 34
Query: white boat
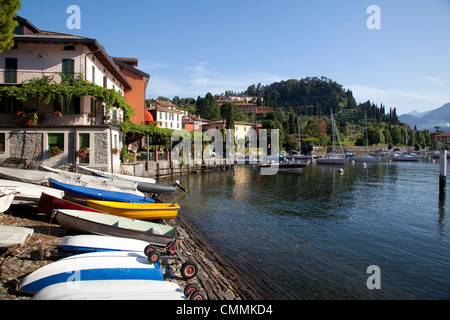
column 6, row 198
column 367, row 158
column 405, row 157
column 112, row 290
column 333, row 158
column 94, row 266
column 89, row 180
column 42, row 178
column 29, row 193
column 11, row 236
column 118, row 176
column 95, row 243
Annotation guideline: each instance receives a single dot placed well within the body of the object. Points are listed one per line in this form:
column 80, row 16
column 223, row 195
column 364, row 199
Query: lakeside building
column 442, row 139
column 241, row 128
column 136, row 95
column 70, row 124
column 194, row 123
column 246, row 107
column 167, row 114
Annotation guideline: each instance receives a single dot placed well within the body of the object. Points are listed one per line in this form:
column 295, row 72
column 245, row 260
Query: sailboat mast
column 367, row 136
column 337, row 134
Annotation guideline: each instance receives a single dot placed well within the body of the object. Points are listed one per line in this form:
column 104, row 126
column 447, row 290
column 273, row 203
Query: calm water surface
column 312, row 235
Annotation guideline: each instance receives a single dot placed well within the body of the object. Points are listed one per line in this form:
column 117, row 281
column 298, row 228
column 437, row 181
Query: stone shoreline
column 216, row 278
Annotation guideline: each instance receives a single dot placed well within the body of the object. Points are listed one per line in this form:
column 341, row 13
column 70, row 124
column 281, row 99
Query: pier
column 166, row 169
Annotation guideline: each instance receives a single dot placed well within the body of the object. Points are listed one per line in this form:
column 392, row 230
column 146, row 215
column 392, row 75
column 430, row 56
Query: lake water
column 313, row 234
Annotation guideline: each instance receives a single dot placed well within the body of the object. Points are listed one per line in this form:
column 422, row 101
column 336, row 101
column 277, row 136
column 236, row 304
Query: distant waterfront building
column 241, row 128
column 167, row 114
column 246, row 107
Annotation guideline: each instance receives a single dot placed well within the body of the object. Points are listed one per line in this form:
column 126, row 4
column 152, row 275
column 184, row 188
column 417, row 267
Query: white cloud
column 197, row 80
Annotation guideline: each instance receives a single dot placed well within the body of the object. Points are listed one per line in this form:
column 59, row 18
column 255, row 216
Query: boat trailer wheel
column 189, row 270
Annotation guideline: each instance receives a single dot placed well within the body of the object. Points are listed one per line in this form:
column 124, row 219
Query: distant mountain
column 428, row 120
column 418, row 114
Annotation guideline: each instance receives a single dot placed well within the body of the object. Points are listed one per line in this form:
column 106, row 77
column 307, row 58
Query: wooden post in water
column 442, row 170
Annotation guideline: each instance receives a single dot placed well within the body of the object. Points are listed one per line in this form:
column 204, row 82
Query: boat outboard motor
column 155, row 197
column 177, row 184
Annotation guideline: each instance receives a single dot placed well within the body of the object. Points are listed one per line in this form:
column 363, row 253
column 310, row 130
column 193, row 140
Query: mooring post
column 442, row 170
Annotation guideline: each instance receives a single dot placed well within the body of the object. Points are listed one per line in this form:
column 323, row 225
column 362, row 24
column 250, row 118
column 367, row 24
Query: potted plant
column 115, row 150
column 83, row 153
column 54, row 151
column 57, row 114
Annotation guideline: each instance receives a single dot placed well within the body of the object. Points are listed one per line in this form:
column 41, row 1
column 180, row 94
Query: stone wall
column 101, row 146
column 26, row 145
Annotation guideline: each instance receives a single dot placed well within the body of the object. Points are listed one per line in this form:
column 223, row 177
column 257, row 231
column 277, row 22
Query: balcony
column 56, row 119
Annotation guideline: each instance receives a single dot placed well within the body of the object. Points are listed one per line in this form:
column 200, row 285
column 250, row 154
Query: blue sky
column 191, row 47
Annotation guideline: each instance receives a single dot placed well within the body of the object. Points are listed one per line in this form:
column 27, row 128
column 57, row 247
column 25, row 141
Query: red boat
column 47, row 203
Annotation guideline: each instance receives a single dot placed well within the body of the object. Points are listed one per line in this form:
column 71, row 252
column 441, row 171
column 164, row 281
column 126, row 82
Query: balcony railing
column 57, row 119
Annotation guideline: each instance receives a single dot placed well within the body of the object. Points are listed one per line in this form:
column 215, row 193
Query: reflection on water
column 312, row 235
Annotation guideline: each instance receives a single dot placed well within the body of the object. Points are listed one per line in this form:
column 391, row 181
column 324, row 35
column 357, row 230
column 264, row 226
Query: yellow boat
column 142, row 211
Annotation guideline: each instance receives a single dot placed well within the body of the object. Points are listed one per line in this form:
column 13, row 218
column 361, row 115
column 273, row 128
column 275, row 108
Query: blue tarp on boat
column 92, row 193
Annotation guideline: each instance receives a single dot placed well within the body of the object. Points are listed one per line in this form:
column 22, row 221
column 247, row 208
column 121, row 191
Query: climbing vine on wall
column 40, row 91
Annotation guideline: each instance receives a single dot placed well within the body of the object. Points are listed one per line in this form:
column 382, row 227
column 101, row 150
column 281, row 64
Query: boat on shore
column 27, row 193
column 98, row 194
column 143, row 184
column 85, row 243
column 91, row 267
column 143, row 211
column 47, row 203
column 110, row 225
column 79, row 179
column 11, row 236
column 6, row 198
column 116, row 289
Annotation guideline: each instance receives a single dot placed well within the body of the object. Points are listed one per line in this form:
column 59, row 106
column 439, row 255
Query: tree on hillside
column 8, row 11
column 207, row 107
column 228, row 114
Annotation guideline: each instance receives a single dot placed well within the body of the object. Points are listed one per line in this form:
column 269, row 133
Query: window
column 84, row 143
column 10, row 70
column 68, row 68
column 2, row 142
column 105, row 82
column 55, row 140
column 93, row 74
column 69, row 48
column 10, row 105
column 71, row 106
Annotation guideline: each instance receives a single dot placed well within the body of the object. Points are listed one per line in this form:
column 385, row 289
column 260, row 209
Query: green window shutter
column 10, row 70
column 56, row 139
column 68, row 68
column 83, row 140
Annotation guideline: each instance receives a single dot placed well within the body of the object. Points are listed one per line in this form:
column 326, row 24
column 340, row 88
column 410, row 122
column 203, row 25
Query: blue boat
column 92, row 267
column 93, row 193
